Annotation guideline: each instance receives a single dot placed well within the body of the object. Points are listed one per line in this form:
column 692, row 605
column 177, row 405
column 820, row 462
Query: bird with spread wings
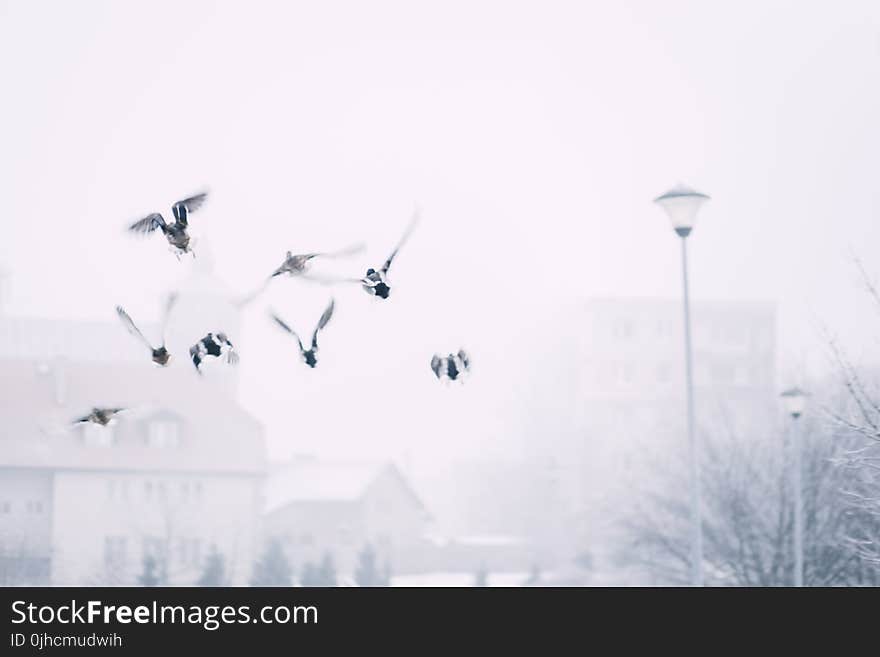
column 177, row 232
column 160, row 354
column 310, row 355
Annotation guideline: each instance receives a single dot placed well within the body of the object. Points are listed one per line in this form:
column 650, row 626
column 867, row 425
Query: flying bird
column 160, row 354
column 451, row 367
column 375, row 281
column 297, row 264
column 309, row 356
column 213, row 344
column 99, row 416
column 176, row 233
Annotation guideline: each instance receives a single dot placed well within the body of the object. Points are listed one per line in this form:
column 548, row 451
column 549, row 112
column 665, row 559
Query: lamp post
column 681, row 205
column 795, row 400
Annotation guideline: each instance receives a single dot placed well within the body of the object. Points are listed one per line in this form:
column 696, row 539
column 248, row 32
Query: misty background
column 533, row 138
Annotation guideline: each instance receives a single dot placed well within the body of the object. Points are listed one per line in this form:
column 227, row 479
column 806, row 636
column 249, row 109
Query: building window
column 163, row 433
column 34, row 506
column 624, row 329
column 148, row 490
column 184, row 491
column 5, row 507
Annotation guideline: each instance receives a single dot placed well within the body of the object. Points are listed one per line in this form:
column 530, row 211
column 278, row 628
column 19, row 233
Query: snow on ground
column 458, row 579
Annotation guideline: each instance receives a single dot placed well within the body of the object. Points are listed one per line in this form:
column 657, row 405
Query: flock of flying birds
column 451, row 367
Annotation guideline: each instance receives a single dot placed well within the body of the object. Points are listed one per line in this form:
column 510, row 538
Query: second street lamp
column 795, row 400
column 681, row 205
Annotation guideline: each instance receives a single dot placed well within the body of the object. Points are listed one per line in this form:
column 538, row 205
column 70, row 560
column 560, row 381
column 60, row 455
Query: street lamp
column 681, row 205
column 794, row 400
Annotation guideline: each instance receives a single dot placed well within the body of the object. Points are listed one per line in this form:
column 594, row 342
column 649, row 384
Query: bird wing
column 327, row 314
column 436, row 362
column 403, row 239
column 296, row 264
column 463, row 357
column 330, row 280
column 183, row 208
column 325, row 319
column 170, row 301
column 81, row 420
column 350, row 250
column 284, row 325
column 148, row 224
column 131, row 328
column 284, row 266
column 195, row 355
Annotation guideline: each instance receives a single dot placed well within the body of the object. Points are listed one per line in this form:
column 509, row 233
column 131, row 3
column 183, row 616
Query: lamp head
column 681, row 204
column 794, row 400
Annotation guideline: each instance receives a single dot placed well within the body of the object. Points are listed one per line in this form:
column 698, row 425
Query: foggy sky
column 533, row 135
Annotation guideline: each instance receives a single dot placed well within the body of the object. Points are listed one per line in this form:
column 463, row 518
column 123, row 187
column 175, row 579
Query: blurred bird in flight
column 160, row 354
column 310, row 355
column 100, row 416
column 176, row 233
column 375, row 281
column 451, row 367
column 213, row 344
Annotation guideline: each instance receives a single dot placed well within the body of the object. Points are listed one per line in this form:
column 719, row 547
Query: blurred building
column 606, row 413
column 173, row 478
column 627, row 395
column 629, row 387
column 318, row 507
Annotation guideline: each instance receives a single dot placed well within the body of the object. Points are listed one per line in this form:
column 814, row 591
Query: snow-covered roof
column 310, row 480
column 40, row 401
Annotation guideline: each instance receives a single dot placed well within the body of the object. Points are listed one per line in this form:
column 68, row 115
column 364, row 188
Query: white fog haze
column 532, row 139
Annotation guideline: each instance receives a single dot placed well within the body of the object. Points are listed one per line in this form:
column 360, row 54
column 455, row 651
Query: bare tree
column 20, row 565
column 748, row 515
column 857, row 420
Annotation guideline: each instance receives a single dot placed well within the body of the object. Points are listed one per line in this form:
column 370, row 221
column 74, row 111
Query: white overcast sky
column 533, row 134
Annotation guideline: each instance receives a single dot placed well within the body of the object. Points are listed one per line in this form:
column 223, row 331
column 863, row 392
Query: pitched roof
column 40, row 400
column 310, row 480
